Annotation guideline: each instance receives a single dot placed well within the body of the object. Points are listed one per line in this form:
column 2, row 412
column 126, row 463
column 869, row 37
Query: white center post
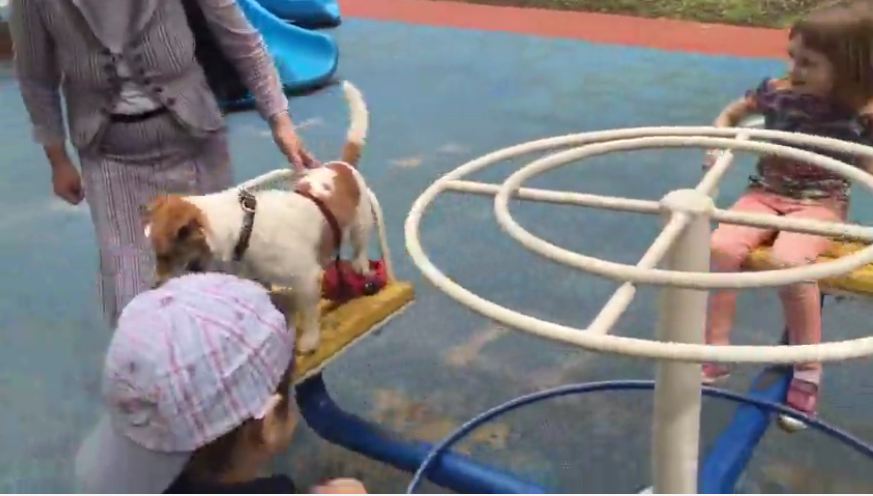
column 682, row 319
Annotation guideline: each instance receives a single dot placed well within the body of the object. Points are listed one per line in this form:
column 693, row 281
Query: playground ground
column 445, row 87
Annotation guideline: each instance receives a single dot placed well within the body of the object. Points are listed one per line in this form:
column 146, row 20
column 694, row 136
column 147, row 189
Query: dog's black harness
column 249, row 204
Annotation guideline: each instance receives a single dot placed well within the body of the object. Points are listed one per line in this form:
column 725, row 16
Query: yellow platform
column 859, row 282
column 343, row 325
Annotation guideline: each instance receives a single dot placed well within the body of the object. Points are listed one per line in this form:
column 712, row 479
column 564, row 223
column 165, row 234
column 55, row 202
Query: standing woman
column 140, row 112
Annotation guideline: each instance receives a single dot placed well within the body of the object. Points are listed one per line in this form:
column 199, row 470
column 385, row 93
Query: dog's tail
column 360, row 121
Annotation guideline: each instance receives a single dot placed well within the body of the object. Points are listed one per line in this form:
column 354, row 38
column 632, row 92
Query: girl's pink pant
column 732, row 244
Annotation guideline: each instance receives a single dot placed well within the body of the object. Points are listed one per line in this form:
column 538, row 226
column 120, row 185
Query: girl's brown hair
column 843, row 32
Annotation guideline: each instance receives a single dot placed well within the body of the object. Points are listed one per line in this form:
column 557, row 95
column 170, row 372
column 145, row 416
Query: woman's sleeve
column 37, row 71
column 245, row 48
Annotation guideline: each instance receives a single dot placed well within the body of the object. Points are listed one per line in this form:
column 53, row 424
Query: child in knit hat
column 197, row 394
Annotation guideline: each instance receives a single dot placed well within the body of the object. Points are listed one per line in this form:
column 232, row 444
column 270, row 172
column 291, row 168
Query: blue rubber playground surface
column 439, row 97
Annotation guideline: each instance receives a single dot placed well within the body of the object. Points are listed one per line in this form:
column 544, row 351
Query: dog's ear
column 147, row 210
column 189, row 230
column 145, row 213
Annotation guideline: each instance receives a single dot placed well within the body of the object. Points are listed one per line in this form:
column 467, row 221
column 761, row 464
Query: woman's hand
column 66, row 180
column 340, row 486
column 289, row 143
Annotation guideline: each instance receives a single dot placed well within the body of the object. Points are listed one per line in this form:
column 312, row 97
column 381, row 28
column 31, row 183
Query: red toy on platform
column 341, row 283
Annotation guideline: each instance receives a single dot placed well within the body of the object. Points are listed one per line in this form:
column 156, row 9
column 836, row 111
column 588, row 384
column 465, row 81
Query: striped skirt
column 130, row 165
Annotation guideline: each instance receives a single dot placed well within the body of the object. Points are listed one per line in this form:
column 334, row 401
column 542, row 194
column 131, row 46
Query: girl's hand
column 340, row 486
column 711, row 158
column 289, row 143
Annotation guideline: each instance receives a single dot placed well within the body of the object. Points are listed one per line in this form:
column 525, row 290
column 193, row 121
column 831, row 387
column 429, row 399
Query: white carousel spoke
column 695, row 280
column 709, row 184
column 838, row 230
column 620, row 300
column 561, row 197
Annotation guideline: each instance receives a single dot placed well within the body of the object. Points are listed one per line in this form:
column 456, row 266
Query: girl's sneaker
column 803, row 397
column 714, row 373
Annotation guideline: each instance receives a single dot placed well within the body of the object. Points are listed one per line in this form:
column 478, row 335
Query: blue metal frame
column 722, row 467
column 455, row 472
column 732, row 451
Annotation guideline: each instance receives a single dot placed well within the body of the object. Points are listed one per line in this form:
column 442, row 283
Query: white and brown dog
column 284, row 238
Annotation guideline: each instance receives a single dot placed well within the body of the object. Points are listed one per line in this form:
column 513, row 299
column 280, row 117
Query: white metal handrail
column 683, row 244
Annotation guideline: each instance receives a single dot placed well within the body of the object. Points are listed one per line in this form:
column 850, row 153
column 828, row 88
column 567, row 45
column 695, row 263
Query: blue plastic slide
column 304, row 59
column 310, row 14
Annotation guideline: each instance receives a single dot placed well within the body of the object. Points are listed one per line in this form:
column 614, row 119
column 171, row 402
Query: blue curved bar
column 443, row 446
column 455, row 472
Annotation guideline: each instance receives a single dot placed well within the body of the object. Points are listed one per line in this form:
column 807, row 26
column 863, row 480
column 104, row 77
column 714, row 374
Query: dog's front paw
column 361, row 266
column 308, row 343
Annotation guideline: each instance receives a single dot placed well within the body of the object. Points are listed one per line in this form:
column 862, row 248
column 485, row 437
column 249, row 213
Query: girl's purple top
column 788, row 110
